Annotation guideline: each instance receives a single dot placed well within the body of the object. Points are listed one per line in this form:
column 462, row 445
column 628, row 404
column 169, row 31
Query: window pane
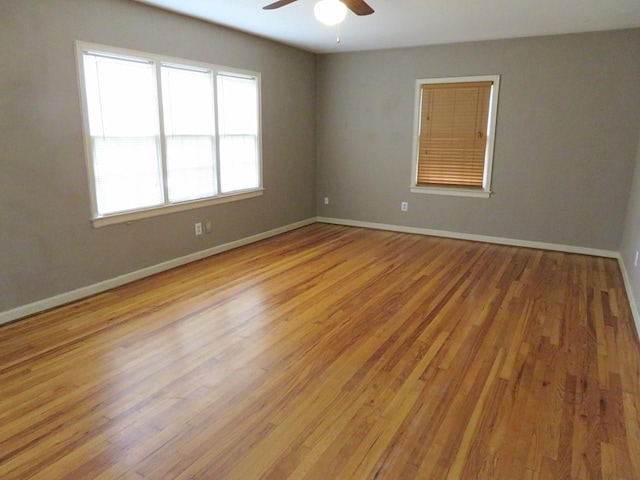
column 127, row 173
column 190, row 168
column 121, row 97
column 189, row 128
column 239, row 165
column 122, row 110
column 238, row 117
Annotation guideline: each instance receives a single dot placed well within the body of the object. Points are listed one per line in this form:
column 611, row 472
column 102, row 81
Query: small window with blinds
column 164, row 134
column 455, row 125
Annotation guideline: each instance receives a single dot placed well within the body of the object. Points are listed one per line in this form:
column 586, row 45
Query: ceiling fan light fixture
column 330, row 12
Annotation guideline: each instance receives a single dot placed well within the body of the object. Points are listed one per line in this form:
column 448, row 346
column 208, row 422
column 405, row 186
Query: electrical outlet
column 198, row 228
column 207, row 226
column 326, row 200
column 404, row 206
column 635, row 262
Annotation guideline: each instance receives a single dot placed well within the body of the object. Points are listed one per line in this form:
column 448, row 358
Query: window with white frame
column 455, row 124
column 165, row 134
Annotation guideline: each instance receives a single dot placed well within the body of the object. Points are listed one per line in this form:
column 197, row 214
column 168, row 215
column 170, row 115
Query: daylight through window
column 163, row 133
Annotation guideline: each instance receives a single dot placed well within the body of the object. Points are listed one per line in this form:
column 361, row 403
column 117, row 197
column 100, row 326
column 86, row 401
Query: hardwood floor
column 333, row 353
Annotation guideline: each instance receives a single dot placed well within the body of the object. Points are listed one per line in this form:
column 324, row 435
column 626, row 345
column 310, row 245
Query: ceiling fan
column 359, row 7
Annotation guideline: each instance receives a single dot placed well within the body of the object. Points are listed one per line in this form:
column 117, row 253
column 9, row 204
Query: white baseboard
column 632, row 301
column 83, row 292
column 476, row 238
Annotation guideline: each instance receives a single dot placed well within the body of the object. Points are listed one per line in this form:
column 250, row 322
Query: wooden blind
column 453, row 134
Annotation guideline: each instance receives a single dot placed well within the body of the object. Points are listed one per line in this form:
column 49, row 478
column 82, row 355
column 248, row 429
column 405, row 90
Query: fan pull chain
column 338, row 36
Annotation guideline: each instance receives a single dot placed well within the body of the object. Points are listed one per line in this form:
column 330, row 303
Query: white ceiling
column 403, row 23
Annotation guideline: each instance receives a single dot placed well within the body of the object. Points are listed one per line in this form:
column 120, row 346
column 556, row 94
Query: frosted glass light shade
column 330, row 12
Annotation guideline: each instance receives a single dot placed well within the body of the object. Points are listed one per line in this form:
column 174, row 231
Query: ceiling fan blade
column 359, row 7
column 278, row 4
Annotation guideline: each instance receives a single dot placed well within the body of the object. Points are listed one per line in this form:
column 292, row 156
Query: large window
column 166, row 134
column 455, row 125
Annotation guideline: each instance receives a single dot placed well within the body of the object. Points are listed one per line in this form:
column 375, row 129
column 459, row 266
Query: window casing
column 455, row 120
column 164, row 134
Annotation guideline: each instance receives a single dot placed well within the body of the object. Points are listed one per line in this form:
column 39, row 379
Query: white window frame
column 166, row 208
column 485, row 192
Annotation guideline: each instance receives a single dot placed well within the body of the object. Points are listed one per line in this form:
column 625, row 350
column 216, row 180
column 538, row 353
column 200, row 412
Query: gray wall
column 567, row 135
column 631, row 242
column 48, row 245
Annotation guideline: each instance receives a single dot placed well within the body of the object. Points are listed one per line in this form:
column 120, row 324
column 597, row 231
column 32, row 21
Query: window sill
column 456, row 192
column 179, row 207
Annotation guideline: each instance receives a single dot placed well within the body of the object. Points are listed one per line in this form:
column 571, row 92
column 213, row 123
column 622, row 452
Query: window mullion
column 216, row 135
column 162, row 145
